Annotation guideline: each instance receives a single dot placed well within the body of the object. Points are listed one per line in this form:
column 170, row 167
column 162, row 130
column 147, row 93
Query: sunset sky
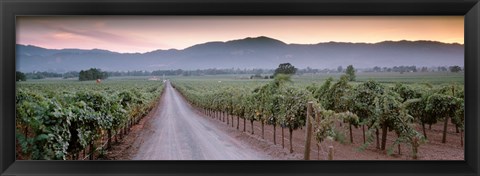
column 129, row 34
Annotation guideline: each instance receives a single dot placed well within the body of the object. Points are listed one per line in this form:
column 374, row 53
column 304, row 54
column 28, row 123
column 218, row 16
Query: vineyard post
column 263, row 128
column 445, row 124
column 330, row 152
column 308, row 135
column 461, row 137
column 92, row 151
column 109, row 140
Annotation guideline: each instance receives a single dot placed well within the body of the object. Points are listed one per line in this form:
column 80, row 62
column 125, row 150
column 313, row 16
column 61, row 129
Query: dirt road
column 176, row 132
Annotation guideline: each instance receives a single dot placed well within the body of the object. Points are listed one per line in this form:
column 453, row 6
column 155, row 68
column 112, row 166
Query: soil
column 177, row 130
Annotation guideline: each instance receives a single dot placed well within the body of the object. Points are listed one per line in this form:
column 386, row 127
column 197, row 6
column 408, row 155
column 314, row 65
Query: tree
column 285, row 68
column 19, row 76
column 424, row 69
column 351, row 73
column 455, row 68
column 339, row 69
column 92, row 74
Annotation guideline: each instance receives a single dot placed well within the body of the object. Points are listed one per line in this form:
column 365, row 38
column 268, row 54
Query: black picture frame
column 10, row 9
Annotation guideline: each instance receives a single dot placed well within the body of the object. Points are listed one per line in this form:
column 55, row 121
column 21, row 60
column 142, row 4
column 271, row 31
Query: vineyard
column 78, row 120
column 333, row 108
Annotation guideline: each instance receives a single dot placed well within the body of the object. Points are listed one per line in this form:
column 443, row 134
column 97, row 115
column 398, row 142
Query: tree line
column 255, row 73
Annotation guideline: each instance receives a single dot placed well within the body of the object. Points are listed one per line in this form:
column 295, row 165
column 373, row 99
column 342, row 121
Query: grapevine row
column 58, row 121
column 375, row 107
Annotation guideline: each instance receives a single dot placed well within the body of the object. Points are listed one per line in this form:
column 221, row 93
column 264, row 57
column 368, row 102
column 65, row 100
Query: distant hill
column 258, row 52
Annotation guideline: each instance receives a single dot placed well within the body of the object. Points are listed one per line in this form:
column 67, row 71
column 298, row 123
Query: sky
column 131, row 34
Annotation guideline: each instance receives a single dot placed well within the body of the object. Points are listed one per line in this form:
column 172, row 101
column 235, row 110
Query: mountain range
column 256, row 52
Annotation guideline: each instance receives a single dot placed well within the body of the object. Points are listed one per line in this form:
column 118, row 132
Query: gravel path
column 176, row 132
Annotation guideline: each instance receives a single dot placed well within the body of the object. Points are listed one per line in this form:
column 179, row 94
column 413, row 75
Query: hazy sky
column 128, row 34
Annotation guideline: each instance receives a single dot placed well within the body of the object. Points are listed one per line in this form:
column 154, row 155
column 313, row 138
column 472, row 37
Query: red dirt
column 433, row 149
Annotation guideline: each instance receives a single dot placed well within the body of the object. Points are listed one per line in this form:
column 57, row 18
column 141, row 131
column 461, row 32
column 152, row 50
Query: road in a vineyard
column 177, row 132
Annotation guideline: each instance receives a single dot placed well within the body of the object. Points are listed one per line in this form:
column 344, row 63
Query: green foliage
column 441, row 106
column 337, row 98
column 406, row 92
column 391, row 113
column 320, row 92
column 92, row 74
column 350, row 72
column 388, row 107
column 293, row 107
column 239, row 98
column 348, row 117
column 363, row 96
column 250, row 107
column 56, row 125
column 324, row 125
column 417, row 108
column 459, row 118
column 339, row 136
column 455, row 68
column 271, row 102
column 19, row 76
column 285, row 68
column 377, row 105
column 281, row 79
column 48, row 120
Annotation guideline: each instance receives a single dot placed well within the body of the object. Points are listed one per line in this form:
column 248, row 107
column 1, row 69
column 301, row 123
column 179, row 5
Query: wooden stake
column 330, row 152
column 308, row 131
